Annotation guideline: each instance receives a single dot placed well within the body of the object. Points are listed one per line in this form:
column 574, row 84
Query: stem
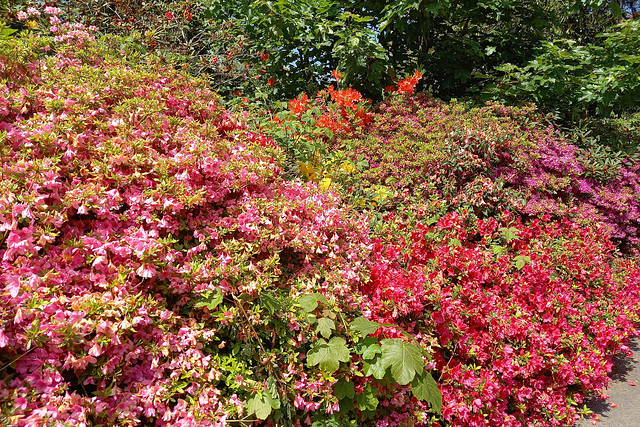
column 246, row 316
column 4, row 235
column 17, row 358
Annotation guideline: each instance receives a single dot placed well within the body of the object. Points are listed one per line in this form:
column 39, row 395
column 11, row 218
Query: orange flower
column 408, row 86
column 336, row 74
column 299, row 105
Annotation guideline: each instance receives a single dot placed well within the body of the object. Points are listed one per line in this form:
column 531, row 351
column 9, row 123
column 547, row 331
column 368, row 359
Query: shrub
column 523, row 319
column 152, row 254
column 576, row 80
column 181, row 32
column 158, row 269
column 485, row 160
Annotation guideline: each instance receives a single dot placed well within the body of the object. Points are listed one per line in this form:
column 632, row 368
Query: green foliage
column 328, row 355
column 182, row 33
column 310, row 302
column 344, row 389
column 575, row 80
column 509, row 234
column 393, row 360
column 325, row 326
column 210, row 300
column 267, row 50
column 424, row 387
column 521, row 261
column 458, row 42
column 261, row 405
column 364, row 326
column 5, row 32
column 405, row 359
column 306, row 40
column 367, row 401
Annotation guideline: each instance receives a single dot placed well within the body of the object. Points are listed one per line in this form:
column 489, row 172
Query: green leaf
column 364, row 326
column 454, row 242
column 270, row 302
column 329, row 355
column 509, row 233
column 325, row 421
column 344, row 389
column 368, row 347
column 371, row 351
column 404, row 358
column 367, row 399
column 325, row 326
column 274, row 403
column 616, row 10
column 375, row 369
column 521, row 260
column 259, row 406
column 424, row 387
column 310, row 302
column 498, row 250
column 6, row 32
column 211, row 301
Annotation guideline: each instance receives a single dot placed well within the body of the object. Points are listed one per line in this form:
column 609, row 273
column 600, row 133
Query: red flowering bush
column 523, row 318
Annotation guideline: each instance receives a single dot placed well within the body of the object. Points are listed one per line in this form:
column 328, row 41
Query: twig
column 17, row 358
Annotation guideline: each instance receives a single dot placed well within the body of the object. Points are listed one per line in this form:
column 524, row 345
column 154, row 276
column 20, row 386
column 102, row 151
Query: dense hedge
column 150, row 245
column 157, row 268
column 484, row 160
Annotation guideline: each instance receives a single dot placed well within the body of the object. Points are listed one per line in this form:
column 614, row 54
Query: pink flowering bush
column 562, row 179
column 152, row 256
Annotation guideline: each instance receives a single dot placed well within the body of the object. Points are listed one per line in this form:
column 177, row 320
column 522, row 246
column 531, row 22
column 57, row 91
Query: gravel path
column 622, row 409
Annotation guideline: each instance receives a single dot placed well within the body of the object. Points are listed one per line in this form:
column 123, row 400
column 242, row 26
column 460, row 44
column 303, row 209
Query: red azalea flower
column 336, row 74
column 271, row 81
column 169, row 16
column 264, row 56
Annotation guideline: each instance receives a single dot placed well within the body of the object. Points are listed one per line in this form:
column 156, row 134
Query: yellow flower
column 348, row 166
column 325, row 183
column 309, row 171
